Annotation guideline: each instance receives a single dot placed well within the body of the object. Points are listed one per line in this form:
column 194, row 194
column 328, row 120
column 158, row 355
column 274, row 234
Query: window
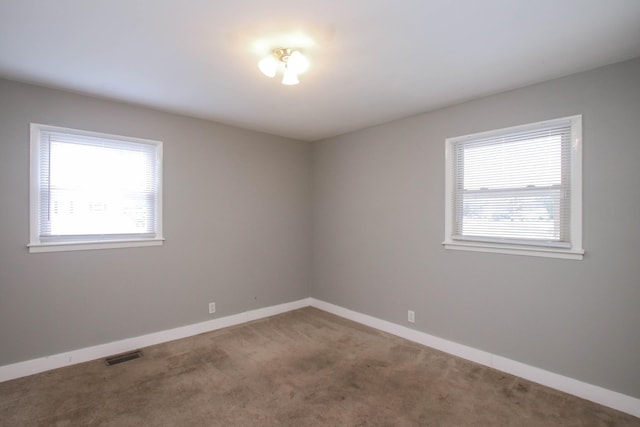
column 517, row 190
column 93, row 191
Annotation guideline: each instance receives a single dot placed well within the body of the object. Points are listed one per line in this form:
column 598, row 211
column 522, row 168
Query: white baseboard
column 30, row 367
column 602, row 396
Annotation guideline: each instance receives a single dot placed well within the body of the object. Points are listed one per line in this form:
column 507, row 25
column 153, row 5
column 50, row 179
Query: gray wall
column 251, row 218
column 236, row 222
column 378, row 225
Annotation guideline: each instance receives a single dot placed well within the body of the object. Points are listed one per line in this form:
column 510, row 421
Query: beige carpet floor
column 303, row 368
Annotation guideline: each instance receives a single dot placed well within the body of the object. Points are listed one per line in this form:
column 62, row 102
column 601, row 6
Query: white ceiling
column 372, row 61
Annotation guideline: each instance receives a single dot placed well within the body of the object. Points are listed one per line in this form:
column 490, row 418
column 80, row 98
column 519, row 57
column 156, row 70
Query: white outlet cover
column 212, row 307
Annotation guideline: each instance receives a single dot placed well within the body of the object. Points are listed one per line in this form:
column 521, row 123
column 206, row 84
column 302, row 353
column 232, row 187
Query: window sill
column 514, row 249
column 83, row 246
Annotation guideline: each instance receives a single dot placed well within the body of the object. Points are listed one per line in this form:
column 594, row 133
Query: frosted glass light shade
column 290, row 77
column 297, row 62
column 268, row 66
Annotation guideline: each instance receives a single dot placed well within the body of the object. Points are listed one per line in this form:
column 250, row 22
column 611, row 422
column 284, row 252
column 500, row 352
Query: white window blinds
column 92, row 187
column 514, row 186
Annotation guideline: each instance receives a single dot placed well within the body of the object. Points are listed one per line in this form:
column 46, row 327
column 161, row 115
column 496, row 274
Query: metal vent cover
column 125, row 357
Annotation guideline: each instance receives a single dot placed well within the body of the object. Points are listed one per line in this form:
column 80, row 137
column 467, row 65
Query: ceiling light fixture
column 291, row 61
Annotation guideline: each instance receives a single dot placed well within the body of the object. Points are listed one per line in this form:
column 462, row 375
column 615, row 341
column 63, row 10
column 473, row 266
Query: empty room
column 343, row 213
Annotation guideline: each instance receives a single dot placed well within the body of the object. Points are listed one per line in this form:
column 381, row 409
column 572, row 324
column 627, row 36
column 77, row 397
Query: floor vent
column 114, row 360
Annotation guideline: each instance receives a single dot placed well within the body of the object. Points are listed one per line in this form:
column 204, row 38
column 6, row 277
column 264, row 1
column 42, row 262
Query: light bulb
column 290, row 76
column 268, row 65
column 297, row 62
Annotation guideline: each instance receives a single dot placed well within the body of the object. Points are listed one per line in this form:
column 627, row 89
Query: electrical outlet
column 411, row 316
column 212, row 307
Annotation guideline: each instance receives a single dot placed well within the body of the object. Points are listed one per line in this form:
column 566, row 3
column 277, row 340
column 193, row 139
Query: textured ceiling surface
column 372, row 61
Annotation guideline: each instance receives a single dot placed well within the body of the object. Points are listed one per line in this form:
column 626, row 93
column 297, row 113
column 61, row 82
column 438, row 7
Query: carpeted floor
column 303, row 368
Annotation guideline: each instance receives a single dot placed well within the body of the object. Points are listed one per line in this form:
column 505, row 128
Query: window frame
column 73, row 243
column 492, row 245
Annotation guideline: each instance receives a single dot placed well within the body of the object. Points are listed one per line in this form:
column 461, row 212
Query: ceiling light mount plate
column 283, row 53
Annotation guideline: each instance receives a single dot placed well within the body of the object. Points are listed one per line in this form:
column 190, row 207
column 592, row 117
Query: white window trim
column 35, row 245
column 81, row 246
column 575, row 252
